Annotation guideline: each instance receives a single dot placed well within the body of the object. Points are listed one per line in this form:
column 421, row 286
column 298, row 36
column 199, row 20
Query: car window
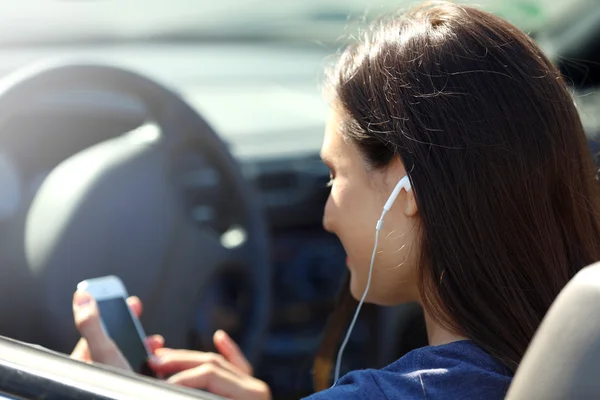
column 323, row 20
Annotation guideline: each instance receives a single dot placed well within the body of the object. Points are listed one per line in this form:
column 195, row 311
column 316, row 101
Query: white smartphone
column 119, row 322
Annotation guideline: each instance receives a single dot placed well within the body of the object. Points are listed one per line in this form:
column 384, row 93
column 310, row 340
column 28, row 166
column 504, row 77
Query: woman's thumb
column 231, row 351
column 87, row 319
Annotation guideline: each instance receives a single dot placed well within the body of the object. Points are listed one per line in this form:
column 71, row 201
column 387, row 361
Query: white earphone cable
column 338, row 363
column 405, row 184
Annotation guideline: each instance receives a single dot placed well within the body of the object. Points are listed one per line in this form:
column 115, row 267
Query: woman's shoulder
column 458, row 370
column 452, row 357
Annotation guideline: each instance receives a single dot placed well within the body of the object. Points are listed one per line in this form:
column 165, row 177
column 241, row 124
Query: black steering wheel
column 165, row 207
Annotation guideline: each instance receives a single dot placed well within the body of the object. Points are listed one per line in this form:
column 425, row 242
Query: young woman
column 502, row 208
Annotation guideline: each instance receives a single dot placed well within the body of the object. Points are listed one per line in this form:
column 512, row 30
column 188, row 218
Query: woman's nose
column 327, row 216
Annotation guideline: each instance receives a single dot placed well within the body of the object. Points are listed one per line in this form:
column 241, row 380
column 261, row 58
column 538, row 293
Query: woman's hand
column 95, row 345
column 227, row 374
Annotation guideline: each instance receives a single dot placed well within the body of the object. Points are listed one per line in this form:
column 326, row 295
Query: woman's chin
column 357, row 289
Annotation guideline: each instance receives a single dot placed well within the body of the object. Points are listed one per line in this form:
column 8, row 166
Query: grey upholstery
column 563, row 359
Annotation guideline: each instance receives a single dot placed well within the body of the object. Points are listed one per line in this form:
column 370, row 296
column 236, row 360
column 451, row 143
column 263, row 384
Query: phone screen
column 120, row 327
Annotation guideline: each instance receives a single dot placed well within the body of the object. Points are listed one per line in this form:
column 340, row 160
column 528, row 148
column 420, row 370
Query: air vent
column 203, row 191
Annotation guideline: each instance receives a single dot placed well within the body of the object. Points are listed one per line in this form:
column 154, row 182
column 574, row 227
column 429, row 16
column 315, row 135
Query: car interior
column 178, row 149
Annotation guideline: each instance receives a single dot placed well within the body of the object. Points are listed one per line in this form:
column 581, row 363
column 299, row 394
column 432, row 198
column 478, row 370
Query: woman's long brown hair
column 334, row 331
column 498, row 160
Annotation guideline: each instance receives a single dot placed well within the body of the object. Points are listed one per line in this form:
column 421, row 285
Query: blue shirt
column 458, row 370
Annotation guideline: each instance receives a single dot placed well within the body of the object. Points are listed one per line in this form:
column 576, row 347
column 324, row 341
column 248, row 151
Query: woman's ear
column 410, row 206
column 396, row 171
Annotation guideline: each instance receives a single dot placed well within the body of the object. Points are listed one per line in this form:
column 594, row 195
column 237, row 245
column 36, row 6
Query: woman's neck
column 438, row 335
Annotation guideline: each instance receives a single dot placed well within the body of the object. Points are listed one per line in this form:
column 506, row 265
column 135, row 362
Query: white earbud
column 404, row 183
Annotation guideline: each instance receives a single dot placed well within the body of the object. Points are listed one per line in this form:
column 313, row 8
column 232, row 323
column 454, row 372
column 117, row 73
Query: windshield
column 52, row 21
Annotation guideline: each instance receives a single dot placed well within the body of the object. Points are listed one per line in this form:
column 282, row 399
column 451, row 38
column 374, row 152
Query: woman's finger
column 222, row 382
column 170, row 361
column 81, row 352
column 87, row 319
column 208, row 377
column 231, row 351
column 135, row 304
column 154, row 343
